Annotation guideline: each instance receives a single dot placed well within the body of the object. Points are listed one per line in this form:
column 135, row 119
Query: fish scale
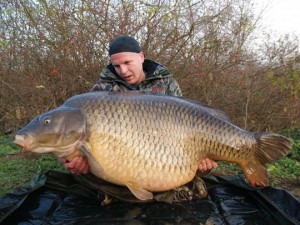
column 150, row 142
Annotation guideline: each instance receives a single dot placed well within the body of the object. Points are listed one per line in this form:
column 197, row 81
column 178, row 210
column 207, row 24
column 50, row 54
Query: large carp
column 148, row 142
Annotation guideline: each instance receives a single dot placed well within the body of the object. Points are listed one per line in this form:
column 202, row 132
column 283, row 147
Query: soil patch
column 28, row 156
column 291, row 185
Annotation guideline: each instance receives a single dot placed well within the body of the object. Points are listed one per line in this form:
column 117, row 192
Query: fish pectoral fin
column 96, row 168
column 140, row 193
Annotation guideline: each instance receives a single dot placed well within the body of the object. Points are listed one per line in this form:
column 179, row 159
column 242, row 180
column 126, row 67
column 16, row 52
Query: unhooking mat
column 58, row 198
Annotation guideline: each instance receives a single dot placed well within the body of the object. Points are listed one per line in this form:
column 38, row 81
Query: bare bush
column 53, row 49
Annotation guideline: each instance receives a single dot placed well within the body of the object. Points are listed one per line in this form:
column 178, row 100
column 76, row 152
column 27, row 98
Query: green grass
column 7, row 147
column 284, row 168
column 17, row 169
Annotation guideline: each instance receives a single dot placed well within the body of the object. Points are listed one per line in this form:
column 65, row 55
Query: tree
column 53, row 49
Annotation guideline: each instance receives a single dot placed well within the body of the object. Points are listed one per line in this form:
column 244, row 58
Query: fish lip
column 25, row 141
column 19, row 139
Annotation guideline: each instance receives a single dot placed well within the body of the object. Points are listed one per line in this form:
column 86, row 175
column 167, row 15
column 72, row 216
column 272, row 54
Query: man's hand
column 206, row 165
column 78, row 165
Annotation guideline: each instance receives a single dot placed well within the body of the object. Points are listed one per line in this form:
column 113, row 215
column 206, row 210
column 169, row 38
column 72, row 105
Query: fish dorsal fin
column 96, row 168
column 140, row 193
column 220, row 114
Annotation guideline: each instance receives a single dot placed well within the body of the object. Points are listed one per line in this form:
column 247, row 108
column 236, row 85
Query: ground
column 291, row 185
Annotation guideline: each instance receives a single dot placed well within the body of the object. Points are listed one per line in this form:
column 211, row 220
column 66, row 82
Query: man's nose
column 123, row 69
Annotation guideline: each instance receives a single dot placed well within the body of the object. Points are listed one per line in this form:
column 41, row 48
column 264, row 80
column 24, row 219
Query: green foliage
column 15, row 173
column 227, row 168
column 288, row 79
column 289, row 167
column 286, row 167
column 48, row 162
column 7, row 146
column 294, row 135
column 18, row 169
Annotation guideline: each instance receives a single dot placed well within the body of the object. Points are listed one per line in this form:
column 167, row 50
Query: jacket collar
column 152, row 69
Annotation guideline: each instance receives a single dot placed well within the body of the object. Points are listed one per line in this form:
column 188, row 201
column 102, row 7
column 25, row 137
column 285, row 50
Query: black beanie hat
column 124, row 44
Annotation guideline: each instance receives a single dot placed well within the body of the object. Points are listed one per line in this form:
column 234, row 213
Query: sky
column 282, row 16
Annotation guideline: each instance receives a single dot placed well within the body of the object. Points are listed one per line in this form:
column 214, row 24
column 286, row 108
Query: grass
column 17, row 169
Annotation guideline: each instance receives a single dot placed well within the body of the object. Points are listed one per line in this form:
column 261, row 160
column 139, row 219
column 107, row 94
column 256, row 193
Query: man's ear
column 142, row 56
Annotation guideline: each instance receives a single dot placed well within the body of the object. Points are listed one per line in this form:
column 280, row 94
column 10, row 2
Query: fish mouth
column 24, row 141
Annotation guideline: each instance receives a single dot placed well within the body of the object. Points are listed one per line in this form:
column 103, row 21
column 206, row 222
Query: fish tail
column 269, row 148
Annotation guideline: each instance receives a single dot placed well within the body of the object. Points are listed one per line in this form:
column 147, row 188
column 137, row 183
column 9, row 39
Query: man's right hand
column 206, row 165
column 78, row 165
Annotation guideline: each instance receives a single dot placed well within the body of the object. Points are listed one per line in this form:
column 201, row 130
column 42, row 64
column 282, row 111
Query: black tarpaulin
column 58, row 198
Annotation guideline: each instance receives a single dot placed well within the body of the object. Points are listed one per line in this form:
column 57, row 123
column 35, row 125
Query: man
column 129, row 70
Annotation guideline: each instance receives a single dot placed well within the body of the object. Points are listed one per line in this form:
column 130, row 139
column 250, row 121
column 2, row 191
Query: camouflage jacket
column 158, row 80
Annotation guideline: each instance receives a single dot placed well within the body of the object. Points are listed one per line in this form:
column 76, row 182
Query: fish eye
column 47, row 121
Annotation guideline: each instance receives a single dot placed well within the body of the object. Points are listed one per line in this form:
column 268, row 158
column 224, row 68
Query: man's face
column 129, row 66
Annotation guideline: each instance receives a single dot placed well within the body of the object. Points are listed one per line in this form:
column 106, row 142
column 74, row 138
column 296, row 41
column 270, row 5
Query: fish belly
column 144, row 159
